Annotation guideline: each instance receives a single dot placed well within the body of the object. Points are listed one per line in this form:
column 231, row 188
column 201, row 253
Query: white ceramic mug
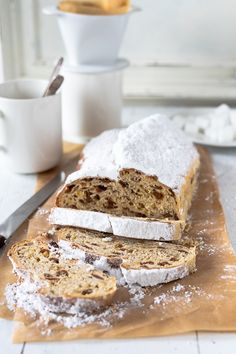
column 31, row 133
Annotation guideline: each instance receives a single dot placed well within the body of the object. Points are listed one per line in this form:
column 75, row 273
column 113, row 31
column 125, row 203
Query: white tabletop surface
column 17, row 188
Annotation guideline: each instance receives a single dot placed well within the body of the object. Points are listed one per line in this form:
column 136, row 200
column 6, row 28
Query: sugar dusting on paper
column 24, row 296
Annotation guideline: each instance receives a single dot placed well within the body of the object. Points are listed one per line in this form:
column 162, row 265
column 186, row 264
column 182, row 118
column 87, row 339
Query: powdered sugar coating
column 80, row 218
column 154, row 146
column 98, row 160
column 151, row 277
column 144, row 229
column 119, row 226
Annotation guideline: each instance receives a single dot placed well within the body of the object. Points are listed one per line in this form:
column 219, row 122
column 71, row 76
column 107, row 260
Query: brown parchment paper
column 206, row 300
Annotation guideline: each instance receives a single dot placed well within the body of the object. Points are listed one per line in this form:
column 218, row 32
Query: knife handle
column 2, row 241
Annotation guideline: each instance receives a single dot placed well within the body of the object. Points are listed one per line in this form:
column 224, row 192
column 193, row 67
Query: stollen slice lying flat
column 60, row 283
column 144, row 262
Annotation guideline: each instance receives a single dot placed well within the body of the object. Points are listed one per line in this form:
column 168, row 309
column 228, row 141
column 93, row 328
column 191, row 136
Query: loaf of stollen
column 134, row 182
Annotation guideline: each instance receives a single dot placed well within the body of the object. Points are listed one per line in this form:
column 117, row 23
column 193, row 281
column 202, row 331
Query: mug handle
column 3, row 132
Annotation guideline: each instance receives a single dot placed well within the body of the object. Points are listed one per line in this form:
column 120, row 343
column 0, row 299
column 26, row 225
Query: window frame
column 140, row 82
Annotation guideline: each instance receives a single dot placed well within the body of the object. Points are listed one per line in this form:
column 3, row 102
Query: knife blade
column 12, row 223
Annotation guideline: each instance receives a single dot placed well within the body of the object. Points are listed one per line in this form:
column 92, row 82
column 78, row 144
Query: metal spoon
column 54, row 86
column 54, row 74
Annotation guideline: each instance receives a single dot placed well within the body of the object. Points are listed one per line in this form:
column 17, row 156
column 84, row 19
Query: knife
column 11, row 224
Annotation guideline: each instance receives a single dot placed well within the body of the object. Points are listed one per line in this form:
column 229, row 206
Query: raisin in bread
column 147, row 170
column 142, row 228
column 61, row 283
column 144, row 262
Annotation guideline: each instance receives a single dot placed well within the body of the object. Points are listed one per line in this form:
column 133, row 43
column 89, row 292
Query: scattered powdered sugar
column 207, row 247
column 229, row 272
column 178, row 287
column 203, row 246
column 46, row 331
column 42, row 211
column 210, row 196
column 138, row 294
column 229, row 267
column 107, row 239
column 81, row 318
column 51, row 232
column 204, row 180
column 183, row 294
column 228, row 277
column 105, row 318
column 161, row 298
column 24, row 295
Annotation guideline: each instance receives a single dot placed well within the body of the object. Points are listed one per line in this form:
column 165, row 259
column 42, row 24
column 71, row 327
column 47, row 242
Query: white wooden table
column 193, row 343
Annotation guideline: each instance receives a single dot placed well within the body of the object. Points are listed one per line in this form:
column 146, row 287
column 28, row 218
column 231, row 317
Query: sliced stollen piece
column 61, row 284
column 141, row 228
column 146, row 170
column 144, row 262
